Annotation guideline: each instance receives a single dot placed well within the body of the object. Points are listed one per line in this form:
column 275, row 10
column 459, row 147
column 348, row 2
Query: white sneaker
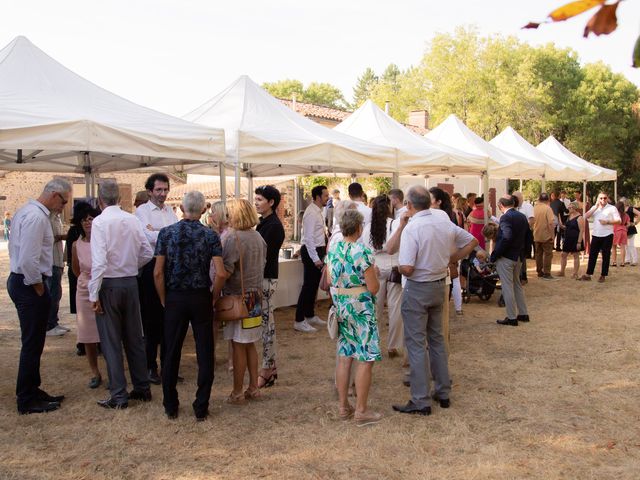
column 303, row 326
column 316, row 321
column 64, row 327
column 56, row 332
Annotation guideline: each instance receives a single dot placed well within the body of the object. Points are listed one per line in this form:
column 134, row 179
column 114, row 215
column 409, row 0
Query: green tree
column 364, row 87
column 316, row 92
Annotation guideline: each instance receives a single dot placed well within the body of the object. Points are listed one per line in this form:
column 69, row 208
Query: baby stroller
column 481, row 278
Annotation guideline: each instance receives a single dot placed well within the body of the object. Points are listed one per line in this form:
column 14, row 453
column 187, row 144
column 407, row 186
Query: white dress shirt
column 31, row 243
column 150, row 214
column 399, row 212
column 427, row 243
column 526, row 209
column 384, row 261
column 365, row 211
column 119, row 247
column 608, row 212
column 313, row 231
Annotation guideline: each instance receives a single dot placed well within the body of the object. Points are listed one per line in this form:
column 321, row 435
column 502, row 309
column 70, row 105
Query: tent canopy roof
column 500, row 164
column 555, row 149
column 511, row 141
column 53, row 116
column 416, row 154
column 274, row 140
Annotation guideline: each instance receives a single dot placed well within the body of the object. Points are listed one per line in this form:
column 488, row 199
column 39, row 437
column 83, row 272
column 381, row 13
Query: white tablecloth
column 290, row 276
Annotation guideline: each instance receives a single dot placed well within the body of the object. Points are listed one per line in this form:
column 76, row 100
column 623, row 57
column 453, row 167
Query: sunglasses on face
column 62, row 199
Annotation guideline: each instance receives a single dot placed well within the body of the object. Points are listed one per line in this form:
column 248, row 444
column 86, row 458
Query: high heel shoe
column 95, row 382
column 252, row 394
column 266, row 382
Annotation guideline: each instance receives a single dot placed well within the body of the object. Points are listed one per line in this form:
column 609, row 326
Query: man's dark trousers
column 310, row 284
column 152, row 317
column 182, row 307
column 32, row 313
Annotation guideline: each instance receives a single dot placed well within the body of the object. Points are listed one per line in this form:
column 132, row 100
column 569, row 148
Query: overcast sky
column 174, row 55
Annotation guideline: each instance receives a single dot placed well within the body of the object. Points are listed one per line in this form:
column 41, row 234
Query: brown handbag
column 232, row 307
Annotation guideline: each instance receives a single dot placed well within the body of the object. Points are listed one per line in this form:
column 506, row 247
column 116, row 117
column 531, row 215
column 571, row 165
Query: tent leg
column 296, row 208
column 544, row 185
column 395, row 181
column 520, row 189
column 485, row 195
column 237, row 189
column 87, row 184
column 250, row 186
column 223, row 182
column 615, row 190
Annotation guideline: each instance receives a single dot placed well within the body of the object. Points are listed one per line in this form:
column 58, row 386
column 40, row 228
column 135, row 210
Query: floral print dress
column 358, row 329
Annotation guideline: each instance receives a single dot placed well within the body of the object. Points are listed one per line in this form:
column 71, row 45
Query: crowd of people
column 138, row 281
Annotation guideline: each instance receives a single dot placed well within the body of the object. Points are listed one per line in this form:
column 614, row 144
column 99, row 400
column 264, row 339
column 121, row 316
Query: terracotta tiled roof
column 317, row 111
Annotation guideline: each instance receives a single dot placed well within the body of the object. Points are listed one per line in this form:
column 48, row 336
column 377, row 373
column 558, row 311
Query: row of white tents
column 53, row 120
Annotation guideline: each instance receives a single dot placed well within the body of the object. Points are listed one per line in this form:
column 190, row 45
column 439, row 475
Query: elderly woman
column 81, row 266
column 573, row 239
column 338, row 212
column 244, row 253
column 354, row 285
column 631, row 255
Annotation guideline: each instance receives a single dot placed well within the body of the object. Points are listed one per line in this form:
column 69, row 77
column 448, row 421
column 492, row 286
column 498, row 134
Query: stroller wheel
column 484, row 296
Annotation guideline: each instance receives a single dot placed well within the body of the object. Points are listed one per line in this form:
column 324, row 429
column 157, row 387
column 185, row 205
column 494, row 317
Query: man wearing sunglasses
column 31, row 260
column 605, row 216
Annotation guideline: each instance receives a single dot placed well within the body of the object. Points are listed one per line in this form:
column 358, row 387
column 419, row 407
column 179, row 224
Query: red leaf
column 603, row 22
column 531, row 25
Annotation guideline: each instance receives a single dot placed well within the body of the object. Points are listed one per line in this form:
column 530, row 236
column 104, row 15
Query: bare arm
column 393, row 244
column 158, row 278
column 464, row 251
column 75, row 262
column 406, row 270
column 371, row 280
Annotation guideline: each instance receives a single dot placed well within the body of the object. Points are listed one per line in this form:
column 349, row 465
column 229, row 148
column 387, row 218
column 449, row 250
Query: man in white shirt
column 31, row 262
column 154, row 216
column 356, row 194
column 605, row 216
column 118, row 249
column 428, row 243
column 313, row 251
column 526, row 209
column 397, row 202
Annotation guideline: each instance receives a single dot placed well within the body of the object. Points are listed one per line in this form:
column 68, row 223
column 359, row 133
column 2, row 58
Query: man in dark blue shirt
column 184, row 253
column 506, row 256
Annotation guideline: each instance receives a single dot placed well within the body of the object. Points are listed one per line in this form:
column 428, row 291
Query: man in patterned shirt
column 184, row 253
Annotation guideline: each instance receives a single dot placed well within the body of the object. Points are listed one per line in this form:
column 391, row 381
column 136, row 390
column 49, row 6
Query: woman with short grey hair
column 352, row 275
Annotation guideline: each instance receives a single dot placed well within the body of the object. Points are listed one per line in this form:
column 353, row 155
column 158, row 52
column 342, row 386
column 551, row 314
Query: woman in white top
column 338, row 213
column 375, row 235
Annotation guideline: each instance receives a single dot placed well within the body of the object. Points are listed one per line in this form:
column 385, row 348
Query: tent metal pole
column 87, row 174
column 485, row 194
column 296, row 207
column 395, row 181
column 223, row 182
column 237, row 172
column 584, row 211
column 543, row 187
column 615, row 190
column 249, row 185
column 520, row 189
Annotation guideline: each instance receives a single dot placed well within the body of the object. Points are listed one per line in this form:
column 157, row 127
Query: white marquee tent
column 416, row 154
column 53, row 120
column 592, row 172
column 266, row 138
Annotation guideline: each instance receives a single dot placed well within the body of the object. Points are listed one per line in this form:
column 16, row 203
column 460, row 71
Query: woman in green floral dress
column 354, row 284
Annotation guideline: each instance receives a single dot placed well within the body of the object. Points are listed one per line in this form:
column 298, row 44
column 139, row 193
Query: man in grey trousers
column 426, row 248
column 118, row 249
column 506, row 255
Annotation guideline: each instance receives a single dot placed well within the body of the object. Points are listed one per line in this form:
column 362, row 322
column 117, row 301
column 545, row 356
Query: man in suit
column 506, row 255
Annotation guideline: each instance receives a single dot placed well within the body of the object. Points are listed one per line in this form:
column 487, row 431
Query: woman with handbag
column 244, row 253
column 631, row 255
column 573, row 239
column 375, row 236
column 354, row 283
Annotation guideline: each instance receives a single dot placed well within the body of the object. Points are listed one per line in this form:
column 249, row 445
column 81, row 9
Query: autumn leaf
column 531, row 25
column 573, row 8
column 603, row 22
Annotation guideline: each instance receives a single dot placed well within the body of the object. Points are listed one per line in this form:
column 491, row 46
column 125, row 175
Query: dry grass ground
column 556, row 398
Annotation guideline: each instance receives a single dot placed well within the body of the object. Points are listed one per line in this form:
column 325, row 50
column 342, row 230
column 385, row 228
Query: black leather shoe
column 154, row 377
column 523, row 318
column 38, row 406
column 508, row 321
column 171, row 414
column 406, row 382
column 95, row 382
column 412, row 409
column 144, row 395
column 112, row 404
column 444, row 402
column 201, row 416
column 44, row 396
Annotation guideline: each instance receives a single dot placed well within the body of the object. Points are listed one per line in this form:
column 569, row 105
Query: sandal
column 236, row 399
column 266, row 382
column 252, row 394
column 346, row 413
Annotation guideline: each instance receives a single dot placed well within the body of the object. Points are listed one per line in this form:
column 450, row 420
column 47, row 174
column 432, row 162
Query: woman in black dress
column 573, row 239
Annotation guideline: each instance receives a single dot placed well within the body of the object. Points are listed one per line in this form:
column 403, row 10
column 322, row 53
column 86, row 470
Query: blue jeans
column 55, row 288
column 32, row 313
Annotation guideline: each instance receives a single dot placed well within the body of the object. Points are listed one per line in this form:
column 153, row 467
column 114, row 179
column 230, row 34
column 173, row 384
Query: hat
column 478, row 201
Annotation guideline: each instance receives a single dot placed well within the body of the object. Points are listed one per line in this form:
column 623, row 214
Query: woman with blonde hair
column 244, row 253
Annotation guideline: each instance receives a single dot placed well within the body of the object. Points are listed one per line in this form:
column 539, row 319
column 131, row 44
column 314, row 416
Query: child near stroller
column 479, row 278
